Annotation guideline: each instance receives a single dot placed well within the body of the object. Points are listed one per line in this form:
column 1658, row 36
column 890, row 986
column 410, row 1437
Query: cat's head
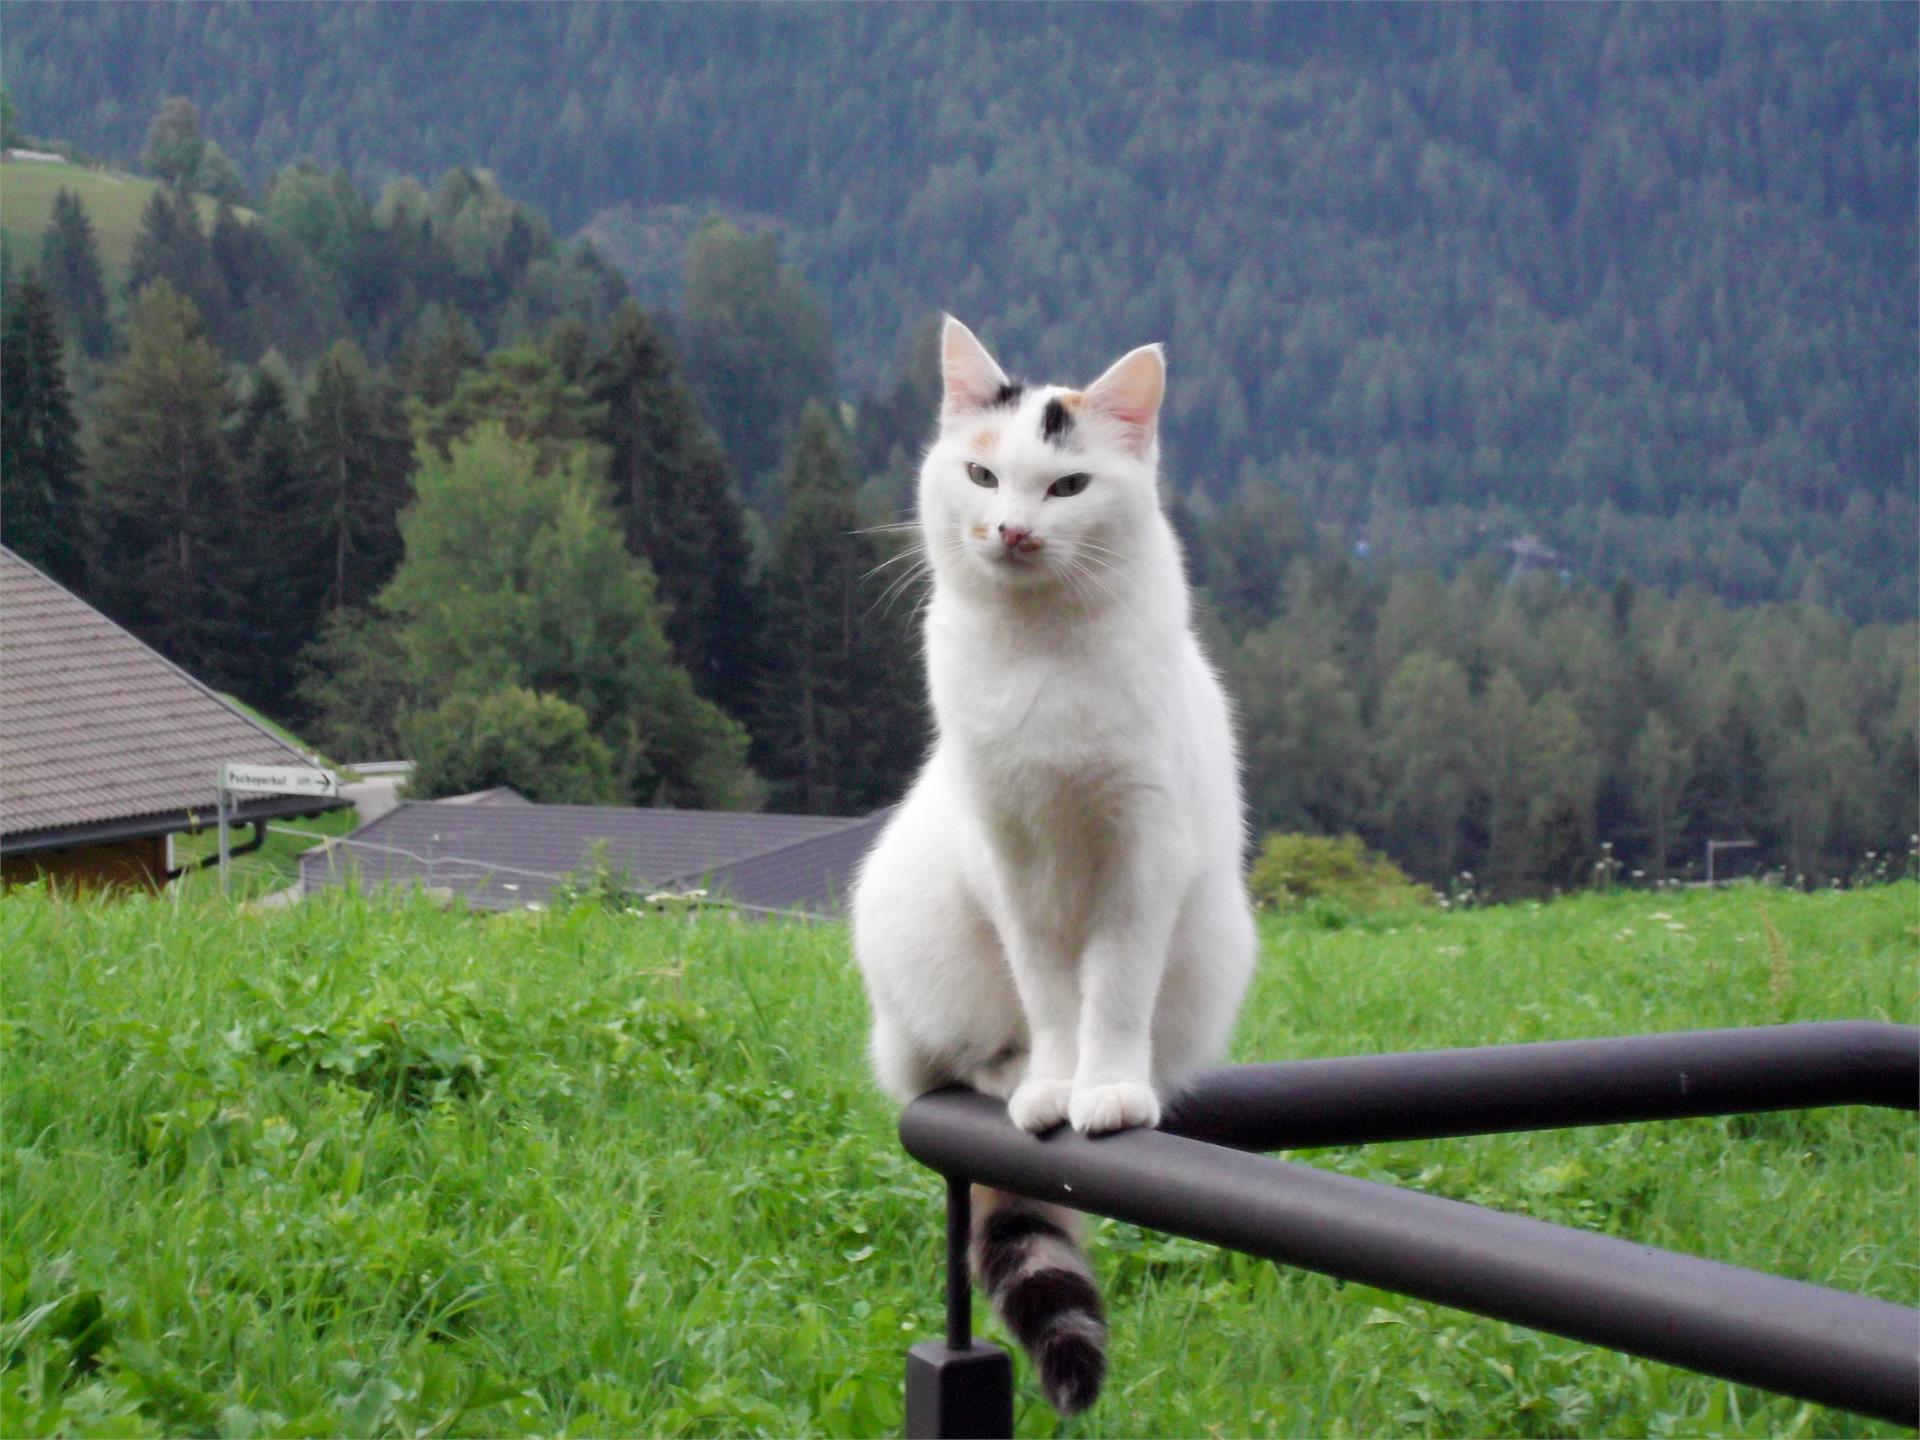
column 1035, row 487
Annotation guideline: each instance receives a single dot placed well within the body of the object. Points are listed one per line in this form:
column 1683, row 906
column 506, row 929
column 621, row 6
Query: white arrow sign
column 279, row 780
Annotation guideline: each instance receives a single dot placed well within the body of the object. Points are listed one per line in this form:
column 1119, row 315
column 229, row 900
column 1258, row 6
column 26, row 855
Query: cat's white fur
column 1055, row 915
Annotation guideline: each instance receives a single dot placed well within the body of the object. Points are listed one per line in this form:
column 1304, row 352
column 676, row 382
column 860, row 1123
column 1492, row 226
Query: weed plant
column 376, row 1169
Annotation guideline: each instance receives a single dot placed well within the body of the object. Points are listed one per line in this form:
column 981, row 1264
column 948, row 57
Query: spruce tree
column 1305, row 749
column 164, row 557
column 840, row 727
column 233, row 253
column 525, row 390
column 759, row 346
column 219, row 177
column 170, row 246
column 359, row 458
column 70, row 264
column 274, row 298
column 1427, row 770
column 283, row 568
column 437, row 363
column 41, row 500
column 671, row 486
column 1659, row 766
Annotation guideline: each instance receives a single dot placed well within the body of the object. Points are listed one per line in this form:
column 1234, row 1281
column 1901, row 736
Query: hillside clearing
column 369, row 1170
column 112, row 199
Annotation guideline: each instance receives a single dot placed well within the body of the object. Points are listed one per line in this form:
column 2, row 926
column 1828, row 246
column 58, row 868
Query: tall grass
column 381, row 1169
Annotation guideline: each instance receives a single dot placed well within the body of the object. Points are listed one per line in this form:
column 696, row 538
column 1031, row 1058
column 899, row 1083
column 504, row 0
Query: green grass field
column 274, row 866
column 352, row 1169
column 113, row 199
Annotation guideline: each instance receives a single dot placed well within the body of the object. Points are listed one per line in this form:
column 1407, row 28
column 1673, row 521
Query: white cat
column 1055, row 915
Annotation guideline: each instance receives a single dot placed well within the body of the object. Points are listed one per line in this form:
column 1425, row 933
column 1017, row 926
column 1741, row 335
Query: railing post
column 957, row 1388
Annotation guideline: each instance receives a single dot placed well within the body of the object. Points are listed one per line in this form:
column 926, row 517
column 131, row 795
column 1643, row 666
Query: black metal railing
column 1193, row 1177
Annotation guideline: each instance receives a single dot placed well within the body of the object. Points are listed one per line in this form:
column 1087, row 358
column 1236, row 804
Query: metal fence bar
column 1836, row 1349
column 1425, row 1095
column 1846, row 1351
column 959, row 1385
column 959, row 1292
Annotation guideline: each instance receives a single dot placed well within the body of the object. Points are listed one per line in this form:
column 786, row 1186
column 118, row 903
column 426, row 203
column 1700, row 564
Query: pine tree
column 1501, row 752
column 219, row 178
column 671, row 486
column 274, row 300
column 170, row 246
column 1305, row 750
column 283, row 582
column 163, row 559
column 437, row 364
column 840, row 728
column 527, row 392
column 1659, row 767
column 70, row 264
column 359, row 458
column 233, row 255
column 1428, row 776
column 1562, row 780
column 42, row 512
column 759, row 346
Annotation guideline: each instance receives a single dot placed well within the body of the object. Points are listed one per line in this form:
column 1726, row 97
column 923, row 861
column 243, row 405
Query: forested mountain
column 1502, row 338
column 1638, row 279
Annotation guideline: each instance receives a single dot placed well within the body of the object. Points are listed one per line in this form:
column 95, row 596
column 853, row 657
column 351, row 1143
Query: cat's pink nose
column 1013, row 536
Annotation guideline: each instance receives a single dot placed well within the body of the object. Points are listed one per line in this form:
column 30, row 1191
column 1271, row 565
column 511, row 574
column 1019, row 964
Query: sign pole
column 246, row 779
column 221, row 797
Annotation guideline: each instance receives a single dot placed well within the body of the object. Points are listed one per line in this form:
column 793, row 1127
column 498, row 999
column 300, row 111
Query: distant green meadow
column 113, row 200
column 379, row 1169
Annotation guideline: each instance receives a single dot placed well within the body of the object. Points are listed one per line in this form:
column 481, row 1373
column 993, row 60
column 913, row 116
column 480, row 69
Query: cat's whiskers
column 898, row 585
column 1096, row 572
column 912, row 553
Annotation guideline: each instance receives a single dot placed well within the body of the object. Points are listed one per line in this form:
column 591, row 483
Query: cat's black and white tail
column 1028, row 1261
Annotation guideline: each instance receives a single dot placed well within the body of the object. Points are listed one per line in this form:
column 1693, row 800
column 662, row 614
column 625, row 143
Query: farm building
column 498, row 851
column 107, row 749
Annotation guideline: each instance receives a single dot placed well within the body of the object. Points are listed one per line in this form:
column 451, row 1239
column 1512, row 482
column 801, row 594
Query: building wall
column 92, row 867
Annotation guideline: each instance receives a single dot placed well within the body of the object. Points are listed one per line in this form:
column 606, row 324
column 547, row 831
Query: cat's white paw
column 1096, row 1109
column 1040, row 1103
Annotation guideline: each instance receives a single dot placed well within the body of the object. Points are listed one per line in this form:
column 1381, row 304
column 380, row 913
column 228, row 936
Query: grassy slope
column 113, row 199
column 646, row 1188
column 274, row 866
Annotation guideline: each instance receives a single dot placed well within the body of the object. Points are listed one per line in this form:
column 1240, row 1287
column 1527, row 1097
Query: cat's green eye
column 982, row 476
column 1069, row 485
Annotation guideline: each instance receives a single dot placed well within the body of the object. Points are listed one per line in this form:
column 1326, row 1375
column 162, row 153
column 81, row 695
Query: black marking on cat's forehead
column 1056, row 421
column 1007, row 394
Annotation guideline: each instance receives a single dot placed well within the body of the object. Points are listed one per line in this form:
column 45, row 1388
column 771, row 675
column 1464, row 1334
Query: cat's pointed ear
column 969, row 377
column 1129, row 394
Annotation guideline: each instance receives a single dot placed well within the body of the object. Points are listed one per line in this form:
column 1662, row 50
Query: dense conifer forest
column 520, row 387
column 1639, row 279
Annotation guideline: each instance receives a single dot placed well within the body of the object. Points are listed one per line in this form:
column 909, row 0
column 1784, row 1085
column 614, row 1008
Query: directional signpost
column 266, row 780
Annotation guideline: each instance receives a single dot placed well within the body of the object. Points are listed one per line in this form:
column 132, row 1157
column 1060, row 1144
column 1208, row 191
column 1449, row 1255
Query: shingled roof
column 101, row 737
column 504, row 856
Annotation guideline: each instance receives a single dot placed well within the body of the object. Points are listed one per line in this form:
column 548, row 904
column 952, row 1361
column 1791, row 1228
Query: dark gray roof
column 504, row 856
column 494, row 795
column 810, row 876
column 100, row 736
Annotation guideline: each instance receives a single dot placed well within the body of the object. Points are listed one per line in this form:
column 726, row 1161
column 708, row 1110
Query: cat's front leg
column 1051, row 1002
column 1120, row 975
